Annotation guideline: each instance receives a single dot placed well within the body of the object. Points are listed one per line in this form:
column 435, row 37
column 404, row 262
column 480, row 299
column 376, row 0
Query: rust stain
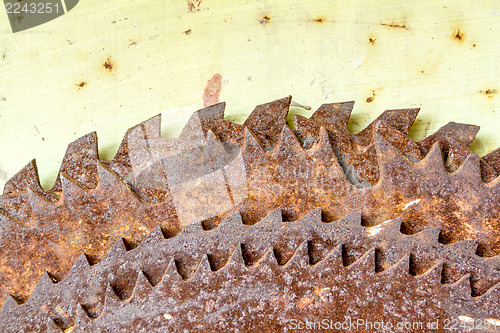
column 319, row 20
column 193, row 5
column 458, row 35
column 371, row 98
column 489, row 92
column 132, row 43
column 395, row 25
column 187, row 32
column 108, row 64
column 372, row 40
column 265, row 19
column 81, row 84
column 212, row 90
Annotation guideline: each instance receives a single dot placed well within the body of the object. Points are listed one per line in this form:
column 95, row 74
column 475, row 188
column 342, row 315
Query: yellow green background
column 441, row 56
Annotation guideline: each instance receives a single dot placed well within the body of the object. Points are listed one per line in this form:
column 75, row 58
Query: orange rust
column 458, row 35
column 265, row 19
column 108, row 64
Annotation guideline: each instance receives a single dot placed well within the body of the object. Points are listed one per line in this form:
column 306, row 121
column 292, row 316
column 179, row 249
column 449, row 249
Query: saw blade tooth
column 351, row 222
column 433, row 160
column 306, row 131
column 329, row 263
column 267, row 260
column 365, row 264
column 111, row 300
column 287, row 146
column 401, row 267
column 400, row 141
column 469, row 171
column 230, row 225
column 150, row 127
column 300, row 258
column 462, row 288
column 463, row 133
column 53, row 327
column 323, row 151
column 71, row 189
column 313, row 217
column 117, row 250
column 16, row 205
column 9, row 305
column 400, row 119
column 8, row 224
column 434, row 274
column 336, row 114
column 82, row 265
column 27, row 177
column 203, row 271
column 171, row 274
column 466, row 247
column 493, row 159
column 229, row 132
column 387, row 228
column 83, row 319
column 272, row 222
column 79, row 161
column 429, row 235
column 200, row 121
column 110, row 181
column 388, row 157
column 44, row 285
column 142, row 288
column 252, row 148
column 192, row 228
column 235, row 261
column 267, row 120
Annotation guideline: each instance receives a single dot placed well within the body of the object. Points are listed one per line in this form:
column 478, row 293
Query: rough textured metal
column 435, row 187
column 267, row 275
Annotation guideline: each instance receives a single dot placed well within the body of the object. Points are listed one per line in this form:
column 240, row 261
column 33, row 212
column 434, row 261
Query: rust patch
column 371, row 40
column 81, row 84
column 265, row 19
column 187, row 32
column 458, row 35
column 371, row 98
column 489, row 92
column 319, row 20
column 212, row 90
column 108, row 65
column 395, row 26
column 193, row 5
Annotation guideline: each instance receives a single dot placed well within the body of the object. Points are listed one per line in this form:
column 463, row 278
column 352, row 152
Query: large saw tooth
column 401, row 120
column 26, row 178
column 336, row 114
column 196, row 128
column 464, row 133
column 267, row 120
column 79, row 162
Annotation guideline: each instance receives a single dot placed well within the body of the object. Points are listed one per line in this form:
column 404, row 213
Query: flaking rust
column 252, row 226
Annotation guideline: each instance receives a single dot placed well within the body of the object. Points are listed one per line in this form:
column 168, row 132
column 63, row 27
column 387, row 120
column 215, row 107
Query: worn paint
column 212, row 90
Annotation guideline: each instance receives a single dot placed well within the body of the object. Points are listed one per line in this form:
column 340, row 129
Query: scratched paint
column 212, row 90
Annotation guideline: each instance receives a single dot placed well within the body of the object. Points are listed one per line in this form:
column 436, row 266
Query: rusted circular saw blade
column 269, row 276
column 216, row 168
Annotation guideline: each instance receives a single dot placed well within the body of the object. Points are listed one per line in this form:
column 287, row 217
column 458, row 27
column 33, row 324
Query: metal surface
column 437, row 187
